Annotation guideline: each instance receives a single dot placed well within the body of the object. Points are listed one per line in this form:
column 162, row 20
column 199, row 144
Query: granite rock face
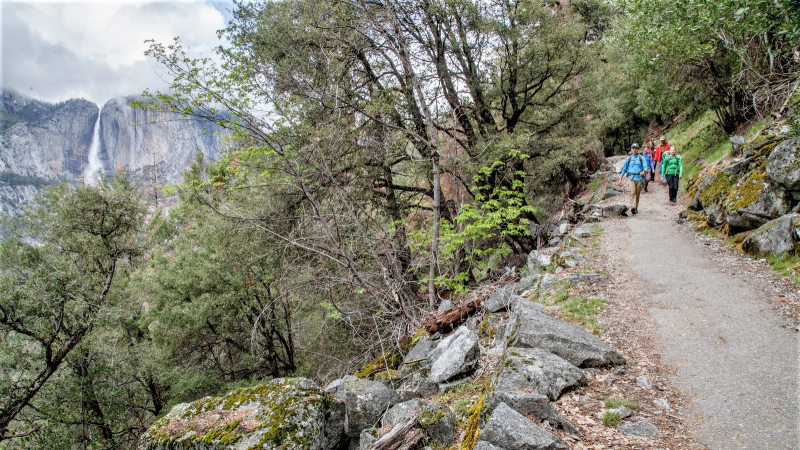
column 783, row 164
column 43, row 143
column 136, row 140
column 510, row 430
column 454, row 355
column 537, row 329
column 775, row 237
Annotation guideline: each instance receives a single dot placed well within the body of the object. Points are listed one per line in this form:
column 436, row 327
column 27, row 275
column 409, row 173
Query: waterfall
column 92, row 172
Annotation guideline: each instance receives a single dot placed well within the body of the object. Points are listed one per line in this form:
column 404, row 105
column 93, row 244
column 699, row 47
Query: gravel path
column 733, row 356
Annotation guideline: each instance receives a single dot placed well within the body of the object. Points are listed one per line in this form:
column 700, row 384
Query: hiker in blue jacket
column 634, row 170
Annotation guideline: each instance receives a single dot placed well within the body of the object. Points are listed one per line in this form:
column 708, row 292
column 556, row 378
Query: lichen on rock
column 284, row 413
column 755, row 200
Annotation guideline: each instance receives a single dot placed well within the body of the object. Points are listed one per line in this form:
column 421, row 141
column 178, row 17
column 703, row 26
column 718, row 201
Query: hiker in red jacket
column 658, row 156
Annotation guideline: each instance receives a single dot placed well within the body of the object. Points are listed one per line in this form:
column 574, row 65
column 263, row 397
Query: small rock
column 502, row 299
column 538, row 260
column 563, row 229
column 608, row 381
column 619, row 372
column 622, row 411
column 583, row 232
column 368, row 437
column 644, row 382
column 642, row 428
column 662, row 403
column 417, row 386
column 483, row 445
column 455, row 355
column 437, row 419
column 548, row 281
column 509, row 429
column 445, row 306
column 580, row 278
column 528, row 284
column 420, row 351
column 737, row 142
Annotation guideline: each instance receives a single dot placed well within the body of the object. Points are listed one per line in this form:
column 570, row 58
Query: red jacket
column 660, row 150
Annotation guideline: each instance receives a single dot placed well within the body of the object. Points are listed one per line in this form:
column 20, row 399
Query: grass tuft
column 786, row 265
column 579, row 309
column 611, row 419
column 616, row 402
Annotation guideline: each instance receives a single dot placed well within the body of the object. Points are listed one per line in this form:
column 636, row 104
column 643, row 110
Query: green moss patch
column 749, row 190
column 712, row 187
column 384, row 362
column 282, row 413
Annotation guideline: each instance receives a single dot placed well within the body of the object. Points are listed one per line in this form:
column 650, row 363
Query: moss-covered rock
column 760, row 146
column 755, row 200
column 436, row 419
column 284, row 413
column 783, row 164
column 712, row 187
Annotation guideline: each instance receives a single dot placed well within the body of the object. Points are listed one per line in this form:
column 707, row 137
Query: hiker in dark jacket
column 650, row 167
column 634, row 170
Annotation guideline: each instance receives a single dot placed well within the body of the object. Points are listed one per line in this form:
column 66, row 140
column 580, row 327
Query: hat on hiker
column 663, row 138
column 634, row 145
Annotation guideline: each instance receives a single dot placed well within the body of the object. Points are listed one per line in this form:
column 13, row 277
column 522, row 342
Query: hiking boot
column 634, row 211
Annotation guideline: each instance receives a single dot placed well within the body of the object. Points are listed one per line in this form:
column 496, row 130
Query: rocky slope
column 754, row 193
column 43, row 143
column 522, row 357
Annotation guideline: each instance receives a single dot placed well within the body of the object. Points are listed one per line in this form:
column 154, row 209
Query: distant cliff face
column 138, row 141
column 43, row 143
column 44, row 140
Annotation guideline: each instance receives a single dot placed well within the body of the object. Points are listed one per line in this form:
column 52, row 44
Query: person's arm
column 624, row 170
column 680, row 166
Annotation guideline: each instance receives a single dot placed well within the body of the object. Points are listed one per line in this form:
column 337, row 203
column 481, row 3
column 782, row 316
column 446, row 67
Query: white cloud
column 58, row 50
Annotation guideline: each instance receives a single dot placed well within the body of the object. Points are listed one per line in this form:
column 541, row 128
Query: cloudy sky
column 56, row 50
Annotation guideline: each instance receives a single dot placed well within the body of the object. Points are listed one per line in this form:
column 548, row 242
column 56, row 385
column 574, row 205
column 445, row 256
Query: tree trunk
column 435, row 231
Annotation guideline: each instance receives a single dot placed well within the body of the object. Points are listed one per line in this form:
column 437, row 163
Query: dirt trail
column 734, row 358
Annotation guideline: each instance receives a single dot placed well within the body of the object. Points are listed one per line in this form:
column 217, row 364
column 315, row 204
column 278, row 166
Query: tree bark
column 452, row 318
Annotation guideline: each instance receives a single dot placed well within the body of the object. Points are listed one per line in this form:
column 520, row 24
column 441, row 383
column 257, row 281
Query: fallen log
column 404, row 436
column 452, row 318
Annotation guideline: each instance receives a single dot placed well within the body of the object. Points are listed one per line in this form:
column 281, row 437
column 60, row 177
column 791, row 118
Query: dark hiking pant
column 672, row 182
